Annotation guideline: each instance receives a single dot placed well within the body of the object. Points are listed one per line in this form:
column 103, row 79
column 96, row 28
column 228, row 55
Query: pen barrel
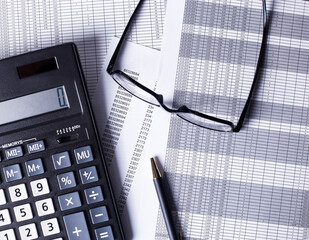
column 166, row 211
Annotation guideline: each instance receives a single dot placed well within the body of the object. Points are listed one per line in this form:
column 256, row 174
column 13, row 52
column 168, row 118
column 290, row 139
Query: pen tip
column 155, row 170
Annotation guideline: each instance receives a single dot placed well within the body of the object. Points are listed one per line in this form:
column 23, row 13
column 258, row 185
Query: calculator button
column 99, row 215
column 69, row 201
column 2, row 198
column 36, row 147
column 45, row 207
column 61, row 160
column 14, row 152
column 12, row 173
column 18, row 192
column 57, row 239
column 50, row 227
column 83, row 154
column 76, row 226
column 66, row 180
column 94, row 195
column 5, row 218
column 105, row 233
column 23, row 212
column 88, row 175
column 34, row 167
column 39, row 187
column 7, row 234
column 28, row 232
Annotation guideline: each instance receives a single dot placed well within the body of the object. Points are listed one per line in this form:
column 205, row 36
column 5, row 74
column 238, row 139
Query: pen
column 167, row 214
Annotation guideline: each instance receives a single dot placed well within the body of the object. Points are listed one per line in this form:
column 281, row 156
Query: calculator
column 54, row 183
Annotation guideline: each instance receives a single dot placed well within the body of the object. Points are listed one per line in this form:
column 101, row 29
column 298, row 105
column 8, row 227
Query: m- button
column 12, row 173
column 83, row 154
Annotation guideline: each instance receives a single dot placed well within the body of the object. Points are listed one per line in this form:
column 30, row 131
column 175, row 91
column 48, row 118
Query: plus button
column 77, row 231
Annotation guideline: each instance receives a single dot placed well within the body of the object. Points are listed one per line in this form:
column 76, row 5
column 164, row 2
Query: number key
column 2, row 198
column 39, row 187
column 5, row 218
column 7, row 234
column 50, row 227
column 23, row 212
column 28, row 232
column 18, row 192
column 45, row 207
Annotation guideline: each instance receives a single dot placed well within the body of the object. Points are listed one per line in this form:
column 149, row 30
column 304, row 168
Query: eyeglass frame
column 184, row 109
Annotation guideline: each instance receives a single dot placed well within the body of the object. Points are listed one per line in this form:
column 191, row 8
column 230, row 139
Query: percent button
column 66, row 180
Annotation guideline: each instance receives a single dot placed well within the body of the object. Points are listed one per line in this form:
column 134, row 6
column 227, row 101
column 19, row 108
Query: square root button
column 61, row 160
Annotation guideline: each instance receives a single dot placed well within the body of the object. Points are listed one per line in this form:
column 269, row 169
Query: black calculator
column 54, row 183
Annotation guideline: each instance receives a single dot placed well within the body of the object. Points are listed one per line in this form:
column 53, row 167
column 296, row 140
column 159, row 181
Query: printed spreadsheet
column 252, row 184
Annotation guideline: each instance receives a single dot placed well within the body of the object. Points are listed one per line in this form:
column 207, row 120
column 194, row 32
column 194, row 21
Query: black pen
column 167, row 214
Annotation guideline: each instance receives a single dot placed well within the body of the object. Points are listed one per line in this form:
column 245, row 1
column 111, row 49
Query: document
column 91, row 24
column 30, row 25
column 124, row 122
column 247, row 185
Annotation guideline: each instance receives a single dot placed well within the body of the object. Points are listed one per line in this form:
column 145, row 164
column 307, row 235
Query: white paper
column 30, row 25
column 246, row 185
column 138, row 213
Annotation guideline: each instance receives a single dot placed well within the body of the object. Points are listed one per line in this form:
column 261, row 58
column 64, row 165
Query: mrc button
column 36, row 147
column 83, row 154
column 13, row 152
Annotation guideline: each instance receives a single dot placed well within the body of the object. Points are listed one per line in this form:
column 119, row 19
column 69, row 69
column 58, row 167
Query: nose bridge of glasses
column 207, row 122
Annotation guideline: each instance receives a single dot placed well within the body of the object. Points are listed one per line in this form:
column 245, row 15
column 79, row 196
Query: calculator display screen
column 33, row 104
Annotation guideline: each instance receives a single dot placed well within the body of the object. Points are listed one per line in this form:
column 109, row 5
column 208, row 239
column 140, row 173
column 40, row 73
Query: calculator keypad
column 28, row 232
column 34, row 167
column 31, row 182
column 8, row 234
column 12, row 173
column 69, row 201
column 66, row 180
column 2, row 197
column 76, row 226
column 61, row 160
column 18, row 192
column 5, row 218
column 23, row 212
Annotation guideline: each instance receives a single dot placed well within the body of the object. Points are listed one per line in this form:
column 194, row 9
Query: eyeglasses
column 190, row 115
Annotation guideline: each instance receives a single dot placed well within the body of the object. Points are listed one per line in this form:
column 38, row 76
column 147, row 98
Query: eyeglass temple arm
column 119, row 45
column 261, row 56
